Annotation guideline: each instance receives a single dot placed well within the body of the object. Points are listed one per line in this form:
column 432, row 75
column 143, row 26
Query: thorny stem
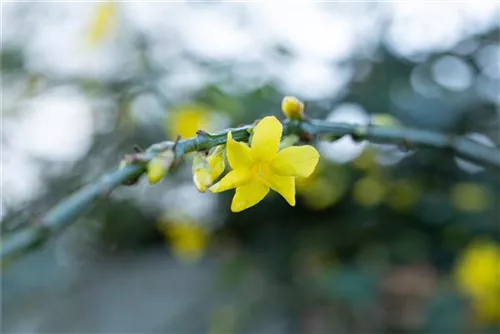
column 70, row 208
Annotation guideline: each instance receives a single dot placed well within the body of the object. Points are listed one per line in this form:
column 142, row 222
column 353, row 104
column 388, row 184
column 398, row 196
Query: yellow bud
column 202, row 174
column 216, row 164
column 158, row 166
column 202, row 179
column 156, row 170
column 292, row 107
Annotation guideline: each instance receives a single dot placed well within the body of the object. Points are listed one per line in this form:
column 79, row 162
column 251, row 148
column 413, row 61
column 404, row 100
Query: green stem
column 70, row 208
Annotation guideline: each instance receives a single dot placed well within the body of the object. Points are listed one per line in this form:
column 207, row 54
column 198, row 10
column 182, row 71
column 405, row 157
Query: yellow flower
column 103, row 23
column 188, row 240
column 292, row 107
column 478, row 274
column 317, row 191
column 185, row 120
column 207, row 169
column 470, row 197
column 261, row 167
column 369, row 191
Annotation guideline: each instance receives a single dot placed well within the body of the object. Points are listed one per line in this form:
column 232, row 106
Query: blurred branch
column 65, row 212
column 409, row 139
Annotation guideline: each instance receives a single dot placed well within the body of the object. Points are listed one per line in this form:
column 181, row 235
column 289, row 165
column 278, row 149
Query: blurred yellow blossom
column 478, row 274
column 223, row 320
column 324, row 187
column 292, row 107
column 470, row 197
column 103, row 23
column 403, row 194
column 186, row 120
column 369, row 191
column 367, row 160
column 187, row 239
column 260, row 167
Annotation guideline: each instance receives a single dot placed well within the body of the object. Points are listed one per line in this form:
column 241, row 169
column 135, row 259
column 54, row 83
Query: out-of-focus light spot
column 186, row 120
column 470, row 197
column 468, row 166
column 466, row 47
column 283, row 22
column 181, row 81
column 488, row 88
column 223, row 319
column 325, row 187
column 217, row 35
column 417, row 29
column 369, row 191
column 146, row 108
column 367, row 160
column 422, row 83
column 21, row 178
column 57, row 126
column 185, row 201
column 488, row 58
column 62, row 31
column 2, row 210
column 311, row 80
column 477, row 273
column 187, row 239
column 403, row 195
column 452, row 73
column 345, row 149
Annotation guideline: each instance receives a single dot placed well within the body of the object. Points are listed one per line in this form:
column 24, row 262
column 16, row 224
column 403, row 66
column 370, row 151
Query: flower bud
column 216, row 162
column 158, row 166
column 292, row 107
column 202, row 176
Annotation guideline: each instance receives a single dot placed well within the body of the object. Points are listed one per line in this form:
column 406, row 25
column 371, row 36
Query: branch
column 410, row 138
column 65, row 212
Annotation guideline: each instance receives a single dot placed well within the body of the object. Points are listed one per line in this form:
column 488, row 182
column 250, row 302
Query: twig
column 65, row 212
column 411, row 138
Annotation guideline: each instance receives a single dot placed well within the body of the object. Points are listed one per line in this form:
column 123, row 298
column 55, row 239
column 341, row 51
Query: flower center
column 261, row 171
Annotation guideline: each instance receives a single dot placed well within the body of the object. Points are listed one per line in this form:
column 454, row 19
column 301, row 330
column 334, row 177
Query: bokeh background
column 382, row 240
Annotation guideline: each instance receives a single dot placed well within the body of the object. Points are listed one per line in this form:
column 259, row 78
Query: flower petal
column 238, row 154
column 266, row 138
column 217, row 166
column 285, row 186
column 296, row 161
column 233, row 179
column 248, row 195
